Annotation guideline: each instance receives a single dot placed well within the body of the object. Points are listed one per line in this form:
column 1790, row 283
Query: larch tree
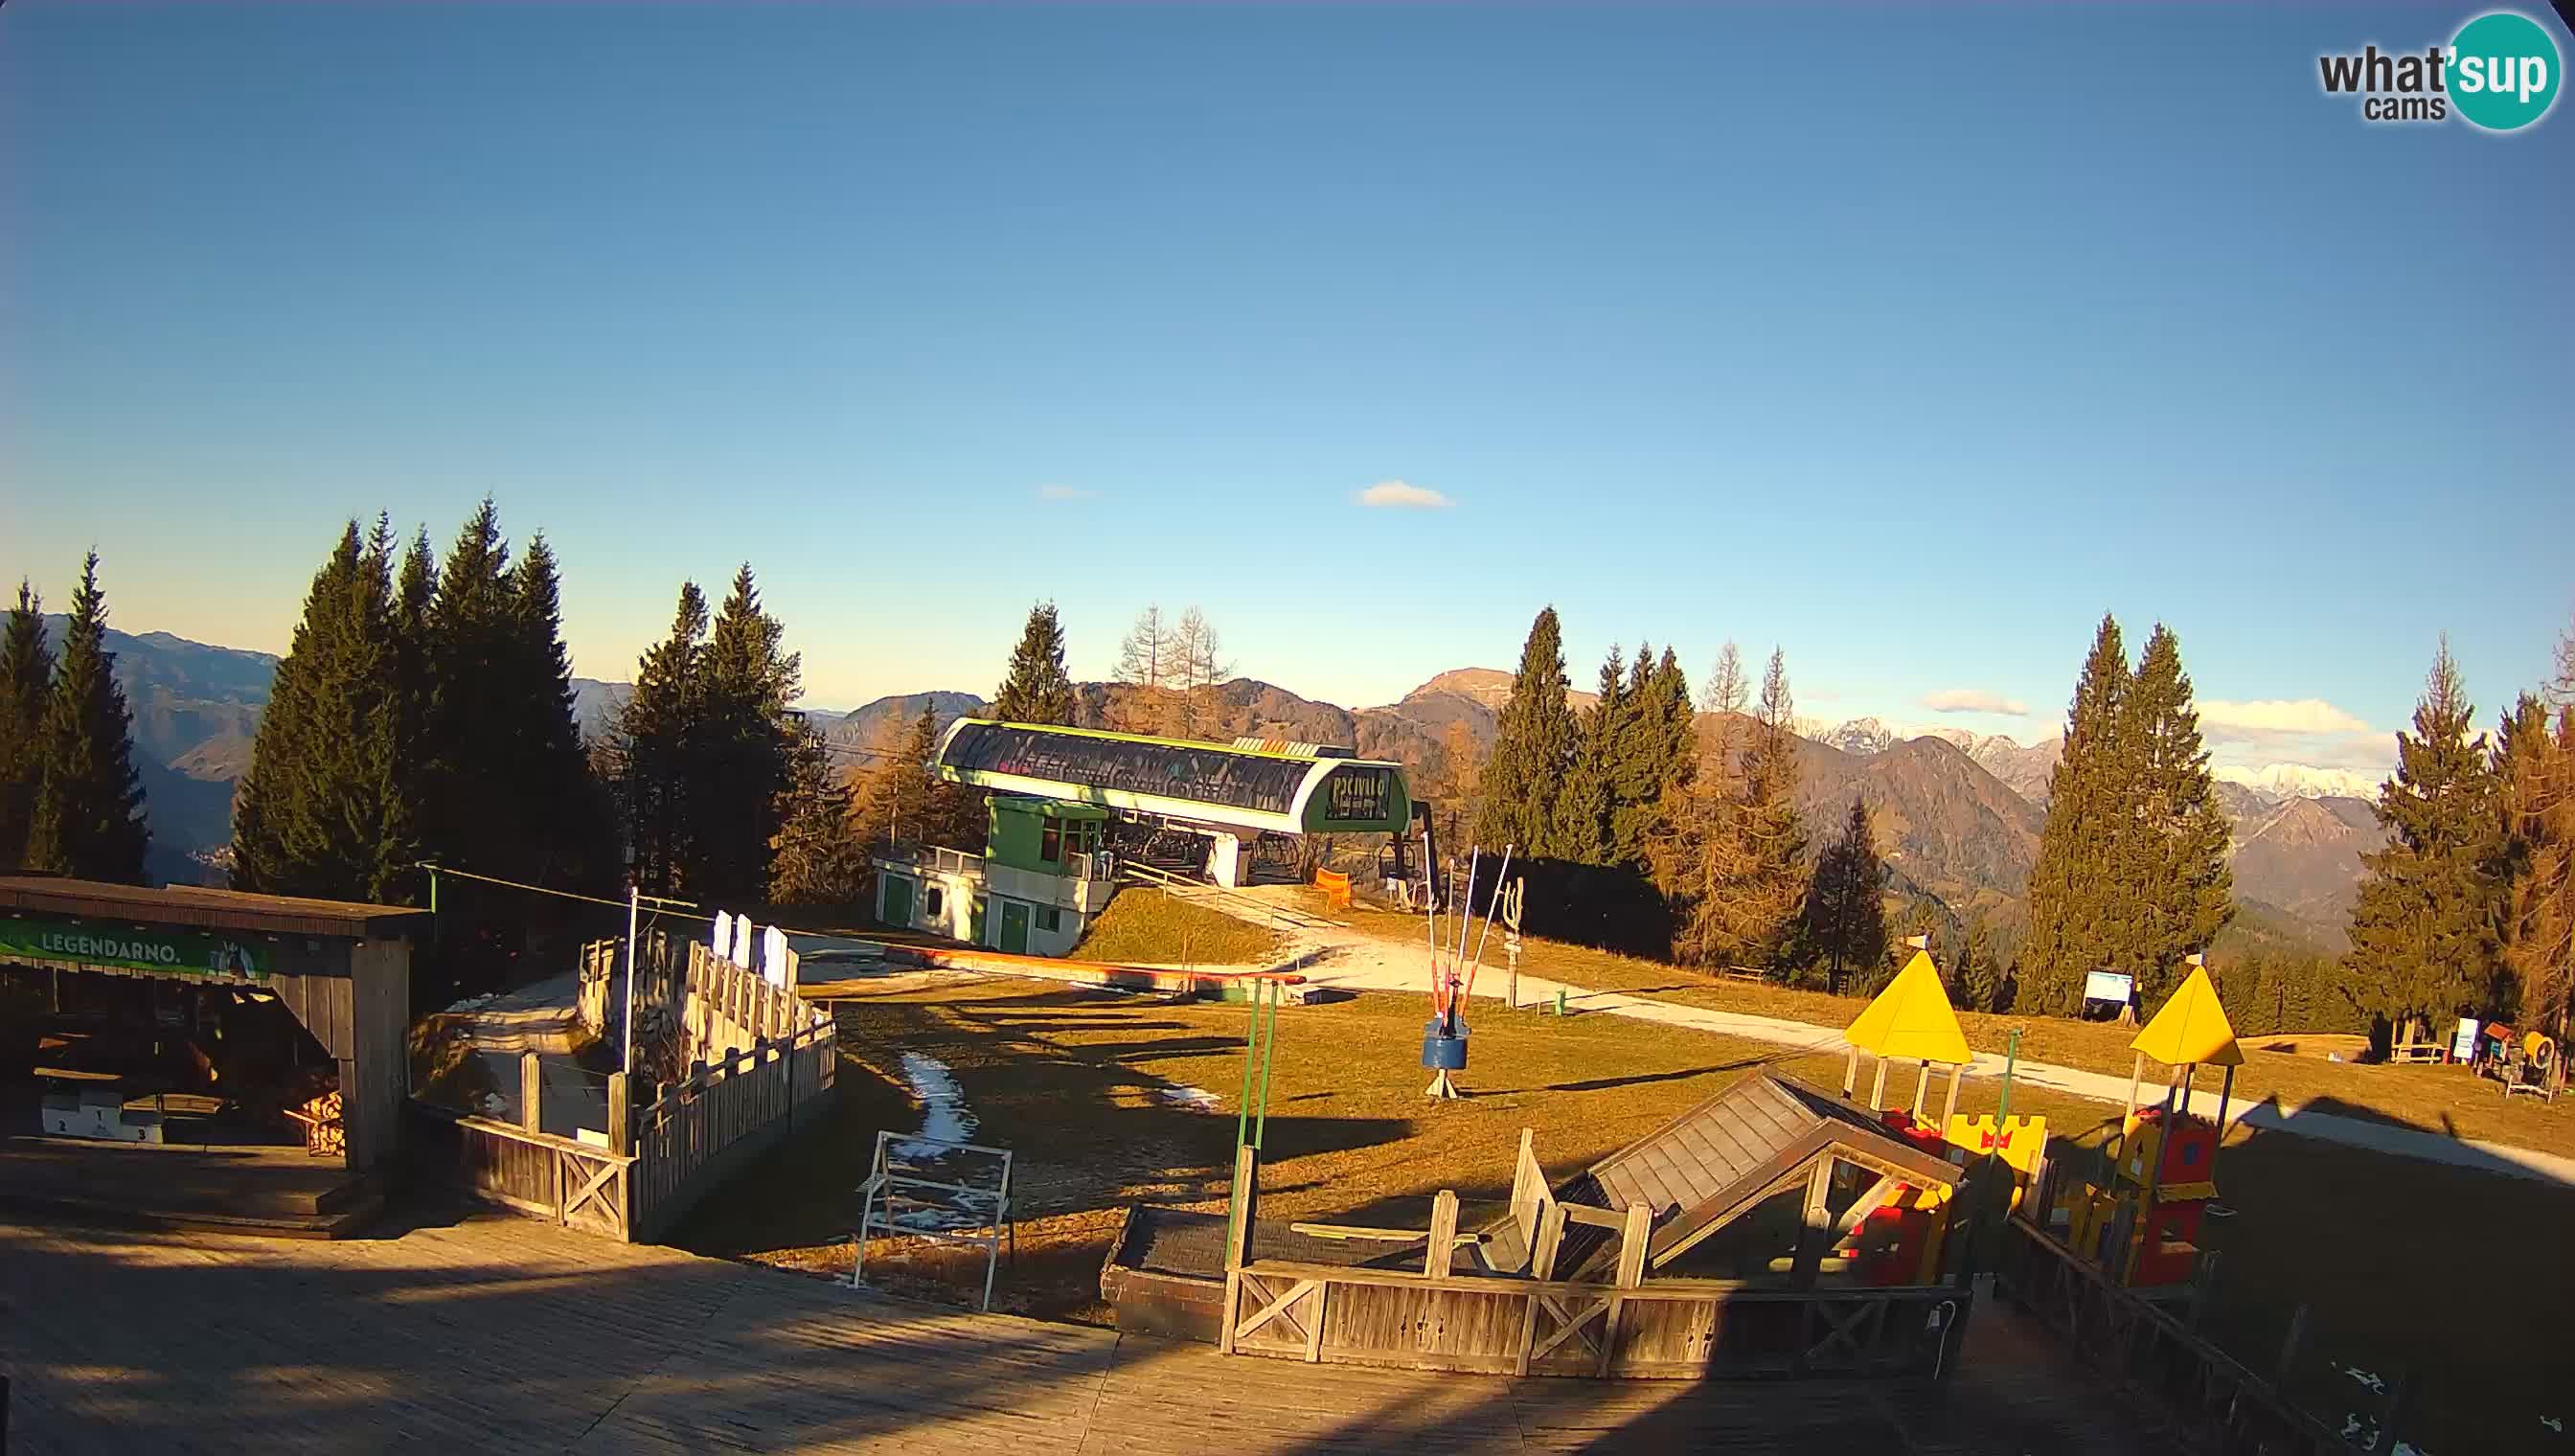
column 1037, row 689
column 1147, row 668
column 2536, row 757
column 1198, row 671
column 1533, row 746
column 88, row 820
column 1708, row 859
column 2424, row 932
column 26, row 682
column 2079, row 922
column 325, row 810
column 1774, row 885
column 2177, row 871
column 1845, row 911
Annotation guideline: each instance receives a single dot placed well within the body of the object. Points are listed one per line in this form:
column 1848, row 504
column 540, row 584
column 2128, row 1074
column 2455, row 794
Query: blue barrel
column 1442, row 1052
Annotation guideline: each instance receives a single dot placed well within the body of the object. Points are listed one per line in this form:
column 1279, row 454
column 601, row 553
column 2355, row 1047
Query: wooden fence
column 2221, row 1406
column 718, row 1006
column 1632, row 1328
column 758, row 1057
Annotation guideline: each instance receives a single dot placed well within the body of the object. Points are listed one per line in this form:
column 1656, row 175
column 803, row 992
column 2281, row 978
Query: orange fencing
column 1336, row 887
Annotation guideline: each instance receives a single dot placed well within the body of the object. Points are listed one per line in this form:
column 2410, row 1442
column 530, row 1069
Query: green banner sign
column 176, row 953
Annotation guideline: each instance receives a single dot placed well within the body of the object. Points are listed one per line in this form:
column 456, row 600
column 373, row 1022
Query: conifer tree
column 1655, row 770
column 2536, row 767
column 1580, row 829
column 1037, row 689
column 749, row 681
column 2078, row 918
column 2423, row 939
column 2177, row 873
column 26, row 682
column 1533, row 748
column 1710, row 859
column 1774, row 884
column 325, row 810
column 814, row 857
column 1845, row 915
column 655, row 742
column 1975, row 979
column 88, row 821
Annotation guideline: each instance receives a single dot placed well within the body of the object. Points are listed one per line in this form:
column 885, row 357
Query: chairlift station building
column 1045, row 870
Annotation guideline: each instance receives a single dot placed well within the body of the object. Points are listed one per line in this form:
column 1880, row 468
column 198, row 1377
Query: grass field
column 2406, row 1264
column 1150, row 926
column 2444, row 1099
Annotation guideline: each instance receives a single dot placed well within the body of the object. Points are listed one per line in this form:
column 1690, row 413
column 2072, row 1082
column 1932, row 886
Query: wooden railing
column 759, row 1055
column 2221, row 1406
column 1631, row 1327
column 726, row 1112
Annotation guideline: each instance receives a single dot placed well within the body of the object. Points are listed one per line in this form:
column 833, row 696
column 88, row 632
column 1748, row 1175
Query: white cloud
column 1052, row 491
column 1974, row 700
column 2274, row 718
column 1403, row 495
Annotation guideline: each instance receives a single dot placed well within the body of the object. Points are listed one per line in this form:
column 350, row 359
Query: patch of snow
column 943, row 1113
column 1196, row 1097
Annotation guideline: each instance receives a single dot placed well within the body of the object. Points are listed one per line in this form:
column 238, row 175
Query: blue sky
column 1911, row 342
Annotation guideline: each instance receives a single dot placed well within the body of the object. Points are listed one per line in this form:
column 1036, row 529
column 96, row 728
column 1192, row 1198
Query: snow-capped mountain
column 2302, row 781
column 1861, row 736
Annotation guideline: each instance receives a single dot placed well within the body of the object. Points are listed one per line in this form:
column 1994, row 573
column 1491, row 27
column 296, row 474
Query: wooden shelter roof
column 1716, row 1161
column 215, row 909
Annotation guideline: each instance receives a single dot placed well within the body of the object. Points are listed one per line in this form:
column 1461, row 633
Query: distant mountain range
column 1957, row 814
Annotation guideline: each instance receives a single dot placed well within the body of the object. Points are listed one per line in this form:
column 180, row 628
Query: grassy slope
column 1074, row 1080
column 1147, row 926
column 2443, row 1099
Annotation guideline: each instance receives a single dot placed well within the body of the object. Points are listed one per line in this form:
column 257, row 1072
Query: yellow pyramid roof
column 2192, row 1027
column 1911, row 1018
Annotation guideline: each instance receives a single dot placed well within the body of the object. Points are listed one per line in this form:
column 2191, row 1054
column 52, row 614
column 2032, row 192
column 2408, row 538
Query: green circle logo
column 2503, row 71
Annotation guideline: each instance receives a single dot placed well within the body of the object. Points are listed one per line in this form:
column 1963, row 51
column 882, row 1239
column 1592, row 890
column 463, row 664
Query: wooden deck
column 499, row 1334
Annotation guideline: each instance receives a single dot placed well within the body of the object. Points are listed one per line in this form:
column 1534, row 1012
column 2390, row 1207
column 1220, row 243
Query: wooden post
column 1877, row 1087
column 1444, row 1234
column 531, row 1092
column 1950, row 1104
column 2225, row 1091
column 2291, row 1347
column 1851, row 1073
column 620, row 1116
column 2137, row 1073
column 1921, row 1080
column 1632, row 1238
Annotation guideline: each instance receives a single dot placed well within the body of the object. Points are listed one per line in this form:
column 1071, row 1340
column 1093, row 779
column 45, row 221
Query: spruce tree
column 743, row 770
column 1579, row 829
column 324, row 810
column 1533, row 748
column 1975, row 979
column 569, row 805
column 1845, row 912
column 88, row 821
column 2177, row 872
column 2423, row 939
column 1037, row 689
column 815, row 858
column 26, row 682
column 1655, row 770
column 2079, row 921
column 655, row 741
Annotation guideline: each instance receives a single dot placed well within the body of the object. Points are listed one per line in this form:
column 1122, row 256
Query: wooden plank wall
column 691, row 1138
column 375, row 1073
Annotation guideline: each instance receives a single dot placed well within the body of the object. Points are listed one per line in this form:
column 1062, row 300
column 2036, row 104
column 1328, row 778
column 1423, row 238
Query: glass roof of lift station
column 1253, row 788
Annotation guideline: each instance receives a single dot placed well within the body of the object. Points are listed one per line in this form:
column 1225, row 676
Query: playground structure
column 2140, row 1222
column 1772, row 1229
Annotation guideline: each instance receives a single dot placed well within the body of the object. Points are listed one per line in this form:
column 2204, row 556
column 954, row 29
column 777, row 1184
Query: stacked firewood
column 324, row 1136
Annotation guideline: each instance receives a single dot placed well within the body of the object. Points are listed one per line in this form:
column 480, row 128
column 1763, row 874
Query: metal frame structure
column 882, row 1193
column 1223, row 784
